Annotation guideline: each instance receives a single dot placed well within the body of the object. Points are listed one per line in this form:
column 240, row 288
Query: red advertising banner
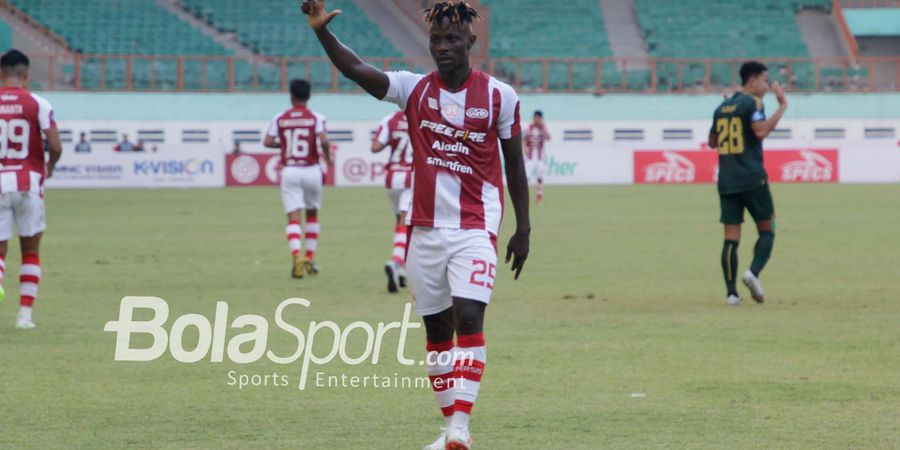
column 702, row 166
column 675, row 167
column 802, row 166
column 261, row 169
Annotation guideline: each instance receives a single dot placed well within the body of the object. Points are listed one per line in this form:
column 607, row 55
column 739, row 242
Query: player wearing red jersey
column 536, row 156
column 295, row 132
column 459, row 122
column 393, row 133
column 23, row 169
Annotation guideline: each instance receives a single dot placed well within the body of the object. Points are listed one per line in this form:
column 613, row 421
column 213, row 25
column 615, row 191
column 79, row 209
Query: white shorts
column 400, row 199
column 26, row 209
column 301, row 188
column 445, row 262
column 536, row 169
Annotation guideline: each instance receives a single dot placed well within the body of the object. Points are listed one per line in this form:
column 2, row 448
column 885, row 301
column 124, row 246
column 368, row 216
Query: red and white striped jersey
column 394, row 133
column 23, row 116
column 457, row 176
column 534, row 141
column 298, row 130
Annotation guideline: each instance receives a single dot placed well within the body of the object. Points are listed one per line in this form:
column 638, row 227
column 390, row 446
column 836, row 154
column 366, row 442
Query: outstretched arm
column 372, row 80
column 517, row 183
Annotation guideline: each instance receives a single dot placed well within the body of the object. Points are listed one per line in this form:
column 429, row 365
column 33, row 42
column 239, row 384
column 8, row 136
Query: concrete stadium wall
column 824, row 138
column 241, row 107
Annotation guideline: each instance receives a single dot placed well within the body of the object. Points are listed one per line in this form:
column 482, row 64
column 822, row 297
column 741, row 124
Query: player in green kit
column 739, row 127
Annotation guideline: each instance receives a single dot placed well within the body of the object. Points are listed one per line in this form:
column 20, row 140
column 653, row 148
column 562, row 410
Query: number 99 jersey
column 298, row 130
column 23, row 116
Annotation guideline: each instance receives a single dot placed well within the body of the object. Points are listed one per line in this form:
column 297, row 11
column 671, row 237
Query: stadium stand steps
column 534, row 31
column 140, row 27
column 270, row 28
column 725, row 29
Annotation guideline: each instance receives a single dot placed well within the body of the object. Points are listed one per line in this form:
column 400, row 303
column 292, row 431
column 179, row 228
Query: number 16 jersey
column 298, row 130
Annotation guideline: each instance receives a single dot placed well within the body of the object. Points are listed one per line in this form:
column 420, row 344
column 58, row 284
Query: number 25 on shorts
column 483, row 273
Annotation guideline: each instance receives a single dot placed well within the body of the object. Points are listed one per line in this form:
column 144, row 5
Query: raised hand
column 316, row 14
column 778, row 90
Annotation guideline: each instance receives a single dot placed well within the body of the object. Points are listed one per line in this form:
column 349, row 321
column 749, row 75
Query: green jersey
column 740, row 151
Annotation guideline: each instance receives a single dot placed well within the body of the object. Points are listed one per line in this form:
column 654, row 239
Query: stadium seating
column 5, row 35
column 275, row 28
column 532, row 28
column 724, row 29
column 572, row 29
column 140, row 27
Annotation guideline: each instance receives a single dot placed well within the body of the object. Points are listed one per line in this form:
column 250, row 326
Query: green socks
column 762, row 251
column 730, row 265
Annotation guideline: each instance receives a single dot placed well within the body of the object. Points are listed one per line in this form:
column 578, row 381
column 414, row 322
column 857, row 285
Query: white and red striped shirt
column 23, row 116
column 298, row 130
column 457, row 176
column 534, row 141
column 394, row 133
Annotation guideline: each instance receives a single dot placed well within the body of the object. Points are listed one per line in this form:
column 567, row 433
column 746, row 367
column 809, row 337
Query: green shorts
column 757, row 200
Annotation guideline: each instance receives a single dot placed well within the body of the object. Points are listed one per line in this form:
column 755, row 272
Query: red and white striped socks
column 398, row 254
column 439, row 361
column 312, row 237
column 28, row 282
column 294, row 237
column 2, row 267
column 467, row 370
column 464, row 366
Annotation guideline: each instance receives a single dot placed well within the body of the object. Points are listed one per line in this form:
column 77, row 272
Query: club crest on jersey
column 451, row 111
column 477, row 113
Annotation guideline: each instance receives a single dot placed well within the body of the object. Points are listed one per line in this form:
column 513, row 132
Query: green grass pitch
column 616, row 336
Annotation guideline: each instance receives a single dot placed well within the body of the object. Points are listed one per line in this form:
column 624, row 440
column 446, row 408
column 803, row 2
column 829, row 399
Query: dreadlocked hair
column 459, row 13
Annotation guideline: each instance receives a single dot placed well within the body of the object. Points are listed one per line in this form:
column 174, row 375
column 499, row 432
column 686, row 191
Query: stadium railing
column 83, row 72
column 870, row 3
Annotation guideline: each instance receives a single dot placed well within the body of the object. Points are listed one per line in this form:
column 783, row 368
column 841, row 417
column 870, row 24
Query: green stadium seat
column 534, row 31
column 115, row 27
column 270, row 28
column 724, row 29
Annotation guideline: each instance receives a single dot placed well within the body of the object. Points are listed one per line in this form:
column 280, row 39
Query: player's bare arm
column 517, row 182
column 372, row 80
column 377, row 146
column 326, row 147
column 54, row 147
column 713, row 140
column 270, row 142
column 762, row 129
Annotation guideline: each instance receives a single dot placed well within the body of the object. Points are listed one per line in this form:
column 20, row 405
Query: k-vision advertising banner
column 179, row 167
